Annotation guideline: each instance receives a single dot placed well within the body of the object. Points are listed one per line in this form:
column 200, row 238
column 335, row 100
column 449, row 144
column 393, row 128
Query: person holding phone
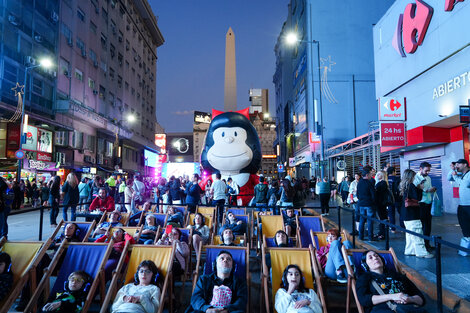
column 171, row 235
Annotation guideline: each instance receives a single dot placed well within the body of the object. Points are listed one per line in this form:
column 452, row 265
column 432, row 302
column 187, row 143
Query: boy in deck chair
column 221, row 291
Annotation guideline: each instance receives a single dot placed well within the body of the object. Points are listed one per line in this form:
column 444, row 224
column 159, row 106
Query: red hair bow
column 244, row 112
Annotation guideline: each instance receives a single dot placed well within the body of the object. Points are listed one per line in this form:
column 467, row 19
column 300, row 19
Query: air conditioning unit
column 89, row 159
column 95, row 92
column 100, row 158
column 30, row 60
column 70, row 42
column 54, row 17
column 38, row 38
column 13, row 20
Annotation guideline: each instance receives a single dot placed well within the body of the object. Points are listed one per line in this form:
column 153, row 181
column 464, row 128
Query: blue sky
column 190, row 66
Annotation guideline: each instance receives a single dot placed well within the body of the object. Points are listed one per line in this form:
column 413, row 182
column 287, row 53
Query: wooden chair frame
column 299, row 228
column 352, row 276
column 119, row 276
column 63, row 223
column 97, row 280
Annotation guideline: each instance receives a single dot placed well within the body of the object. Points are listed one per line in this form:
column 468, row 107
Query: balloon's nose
column 229, row 139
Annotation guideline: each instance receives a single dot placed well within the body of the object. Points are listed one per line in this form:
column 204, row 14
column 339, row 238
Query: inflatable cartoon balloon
column 232, row 149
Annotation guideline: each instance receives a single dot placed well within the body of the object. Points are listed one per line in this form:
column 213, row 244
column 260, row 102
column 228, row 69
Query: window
column 104, row 14
column 103, row 66
column 93, row 27
column 119, row 81
column 81, row 44
column 78, row 75
column 37, row 86
column 80, row 15
column 109, row 149
column 111, row 73
column 103, row 41
column 126, row 85
column 91, row 83
column 64, row 66
column 93, row 56
column 67, row 32
column 120, row 58
column 112, row 50
column 102, row 93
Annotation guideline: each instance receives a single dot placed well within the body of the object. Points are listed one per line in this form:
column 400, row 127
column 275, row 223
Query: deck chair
column 209, row 220
column 216, row 240
column 133, row 231
column 237, row 211
column 160, row 219
column 25, row 256
column 305, row 224
column 297, row 212
column 270, row 224
column 271, row 243
column 391, row 262
column 181, row 208
column 162, row 256
column 206, row 210
column 255, row 229
column 186, row 236
column 84, row 229
column 280, row 258
column 241, row 257
column 90, row 257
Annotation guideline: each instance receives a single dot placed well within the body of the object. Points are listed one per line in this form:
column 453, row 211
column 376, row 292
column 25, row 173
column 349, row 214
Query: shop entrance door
column 435, row 174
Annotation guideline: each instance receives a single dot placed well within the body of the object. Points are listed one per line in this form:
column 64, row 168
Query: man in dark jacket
column 193, row 193
column 366, row 196
column 261, row 193
column 208, row 299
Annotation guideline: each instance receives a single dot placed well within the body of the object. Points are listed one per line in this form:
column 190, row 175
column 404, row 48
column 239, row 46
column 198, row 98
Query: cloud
column 185, row 112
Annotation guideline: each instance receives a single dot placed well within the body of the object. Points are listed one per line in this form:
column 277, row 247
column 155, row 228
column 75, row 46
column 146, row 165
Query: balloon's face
column 230, row 151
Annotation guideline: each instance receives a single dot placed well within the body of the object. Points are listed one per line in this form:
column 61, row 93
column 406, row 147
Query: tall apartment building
column 266, row 129
column 106, row 73
column 201, row 124
column 259, row 100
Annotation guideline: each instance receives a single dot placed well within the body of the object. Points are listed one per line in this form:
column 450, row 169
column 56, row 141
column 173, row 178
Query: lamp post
column 45, row 63
column 130, row 119
column 292, row 39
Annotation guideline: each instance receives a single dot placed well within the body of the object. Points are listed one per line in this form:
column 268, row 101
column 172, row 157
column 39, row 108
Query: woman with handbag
column 411, row 215
column 382, row 200
column 383, row 291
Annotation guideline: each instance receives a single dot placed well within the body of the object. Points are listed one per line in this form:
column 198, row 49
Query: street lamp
column 130, row 119
column 292, row 39
column 44, row 63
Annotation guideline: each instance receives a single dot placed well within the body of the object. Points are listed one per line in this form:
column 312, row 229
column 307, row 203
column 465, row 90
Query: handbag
column 436, row 208
column 411, row 202
column 398, row 308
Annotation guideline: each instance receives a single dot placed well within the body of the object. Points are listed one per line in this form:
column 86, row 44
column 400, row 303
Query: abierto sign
column 392, row 135
column 392, row 109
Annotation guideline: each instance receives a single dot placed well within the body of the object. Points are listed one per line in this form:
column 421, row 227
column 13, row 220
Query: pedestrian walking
column 324, row 192
column 311, row 185
column 366, row 197
column 425, row 202
column 29, row 192
column 382, row 200
column 34, row 193
column 393, row 184
column 219, row 190
column 44, row 194
column 411, row 214
column 459, row 173
column 175, row 191
column 71, row 196
column 333, row 188
column 84, row 190
column 344, row 189
column 300, row 195
column 17, row 196
column 23, row 189
column 208, row 195
column 54, row 199
column 353, row 200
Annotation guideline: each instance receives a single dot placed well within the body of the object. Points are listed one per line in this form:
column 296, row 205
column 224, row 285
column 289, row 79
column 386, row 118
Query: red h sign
column 392, row 135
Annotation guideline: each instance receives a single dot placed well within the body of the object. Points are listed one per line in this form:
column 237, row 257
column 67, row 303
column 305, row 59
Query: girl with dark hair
column 175, row 191
column 380, row 290
column 293, row 297
column 201, row 231
column 73, row 297
column 281, row 239
column 54, row 198
column 142, row 296
column 6, row 276
column 331, row 258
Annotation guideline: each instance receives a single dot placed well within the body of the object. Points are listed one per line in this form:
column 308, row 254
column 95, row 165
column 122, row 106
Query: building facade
column 324, row 83
column 105, row 56
column 201, row 124
column 259, row 99
column 266, row 129
column 430, row 78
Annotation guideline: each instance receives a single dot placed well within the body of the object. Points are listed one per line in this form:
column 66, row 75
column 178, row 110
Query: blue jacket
column 71, row 195
column 193, row 193
column 366, row 193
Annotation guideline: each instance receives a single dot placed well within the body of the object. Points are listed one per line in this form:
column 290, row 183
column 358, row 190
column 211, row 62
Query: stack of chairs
column 391, row 263
column 90, row 257
column 25, row 257
column 162, row 256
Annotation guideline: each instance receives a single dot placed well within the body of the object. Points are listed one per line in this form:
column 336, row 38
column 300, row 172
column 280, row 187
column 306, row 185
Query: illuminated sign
column 392, row 135
column 31, row 138
column 180, row 145
column 160, row 141
column 313, row 138
column 392, row 109
column 451, row 85
column 202, row 117
column 413, row 25
column 44, row 141
column 269, row 156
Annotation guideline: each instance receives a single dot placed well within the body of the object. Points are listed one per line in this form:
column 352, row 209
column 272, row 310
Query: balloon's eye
column 223, row 134
column 235, row 134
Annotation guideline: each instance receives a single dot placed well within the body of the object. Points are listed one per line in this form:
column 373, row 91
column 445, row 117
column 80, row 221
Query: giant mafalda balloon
column 232, row 149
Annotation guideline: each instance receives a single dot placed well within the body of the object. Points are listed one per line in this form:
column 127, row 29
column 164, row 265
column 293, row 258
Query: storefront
column 41, row 170
column 421, row 60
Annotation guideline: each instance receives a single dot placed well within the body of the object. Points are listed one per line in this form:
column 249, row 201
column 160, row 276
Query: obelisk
column 230, row 88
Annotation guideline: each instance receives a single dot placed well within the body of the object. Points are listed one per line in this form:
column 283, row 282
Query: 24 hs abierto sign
column 392, row 135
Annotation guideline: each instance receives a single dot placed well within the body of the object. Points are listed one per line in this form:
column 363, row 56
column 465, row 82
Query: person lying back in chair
column 221, row 291
column 114, row 218
column 381, row 290
column 237, row 226
column 228, row 238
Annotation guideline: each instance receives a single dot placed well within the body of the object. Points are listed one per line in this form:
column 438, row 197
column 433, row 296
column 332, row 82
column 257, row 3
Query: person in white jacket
column 293, row 297
column 142, row 296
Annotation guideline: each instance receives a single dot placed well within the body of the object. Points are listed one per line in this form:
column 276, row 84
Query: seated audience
column 175, row 218
column 281, row 239
column 73, row 297
column 141, row 296
column 70, row 234
column 149, row 230
column 135, row 218
column 6, row 275
column 201, row 232
column 290, row 222
column 120, row 239
column 379, row 289
column 237, row 226
column 228, row 238
column 221, row 291
column 293, row 296
column 114, row 218
column 331, row 258
column 102, row 202
column 182, row 249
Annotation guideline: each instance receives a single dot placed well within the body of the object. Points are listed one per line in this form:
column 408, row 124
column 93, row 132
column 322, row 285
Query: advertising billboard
column 202, row 117
column 180, row 169
column 160, row 142
column 180, row 144
column 31, row 138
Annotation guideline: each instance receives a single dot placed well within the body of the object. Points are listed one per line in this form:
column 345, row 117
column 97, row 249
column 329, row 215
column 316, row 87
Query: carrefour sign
column 392, row 109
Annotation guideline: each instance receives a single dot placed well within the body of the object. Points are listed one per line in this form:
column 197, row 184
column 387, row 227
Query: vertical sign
column 392, row 135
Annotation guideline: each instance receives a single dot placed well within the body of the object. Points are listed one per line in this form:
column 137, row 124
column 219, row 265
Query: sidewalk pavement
column 455, row 268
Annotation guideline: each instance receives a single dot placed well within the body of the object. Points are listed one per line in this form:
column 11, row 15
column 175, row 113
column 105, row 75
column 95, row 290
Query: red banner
column 46, row 157
column 392, row 135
